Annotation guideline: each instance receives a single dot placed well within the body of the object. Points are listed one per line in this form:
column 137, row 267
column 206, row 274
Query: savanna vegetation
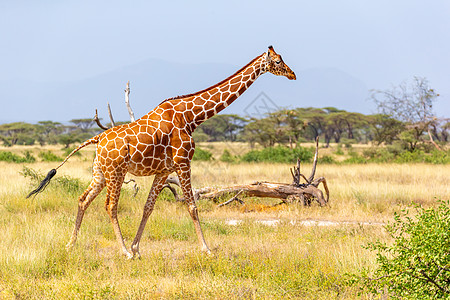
column 293, row 258
column 385, row 232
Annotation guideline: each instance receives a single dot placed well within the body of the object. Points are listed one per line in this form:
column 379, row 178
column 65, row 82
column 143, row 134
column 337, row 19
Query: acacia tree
column 411, row 103
column 223, row 127
column 17, row 133
column 314, row 120
column 83, row 124
column 47, row 132
column 385, row 128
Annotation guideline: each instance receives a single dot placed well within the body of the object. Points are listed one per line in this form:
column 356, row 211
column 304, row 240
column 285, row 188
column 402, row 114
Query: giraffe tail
column 52, row 172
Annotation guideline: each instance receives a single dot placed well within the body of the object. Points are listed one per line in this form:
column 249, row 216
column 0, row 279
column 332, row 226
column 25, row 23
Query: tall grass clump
column 14, row 158
column 279, row 154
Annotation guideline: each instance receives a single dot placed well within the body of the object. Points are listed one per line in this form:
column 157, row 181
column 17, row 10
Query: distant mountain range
column 154, row 80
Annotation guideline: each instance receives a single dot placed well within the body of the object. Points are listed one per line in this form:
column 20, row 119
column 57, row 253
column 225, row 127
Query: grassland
column 251, row 260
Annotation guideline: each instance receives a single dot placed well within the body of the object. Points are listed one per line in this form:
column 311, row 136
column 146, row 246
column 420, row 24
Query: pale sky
column 379, row 42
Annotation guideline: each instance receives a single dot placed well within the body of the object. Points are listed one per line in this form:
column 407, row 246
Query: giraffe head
column 276, row 65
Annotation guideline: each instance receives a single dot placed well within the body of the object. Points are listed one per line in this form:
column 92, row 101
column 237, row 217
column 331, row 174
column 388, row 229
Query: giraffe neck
column 211, row 101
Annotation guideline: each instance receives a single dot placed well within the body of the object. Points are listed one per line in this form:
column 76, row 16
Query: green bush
column 396, row 155
column 49, row 156
column 279, row 154
column 65, row 183
column 326, row 159
column 14, row 158
column 203, row 155
column 228, row 157
column 69, row 150
column 417, row 264
column 435, row 157
column 339, row 150
column 356, row 159
column 347, row 143
column 378, row 155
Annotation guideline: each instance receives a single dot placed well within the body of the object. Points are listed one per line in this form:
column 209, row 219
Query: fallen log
column 295, row 192
column 288, row 193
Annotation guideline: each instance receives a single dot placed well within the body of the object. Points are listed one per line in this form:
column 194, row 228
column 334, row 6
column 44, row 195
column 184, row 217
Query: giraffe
column 160, row 143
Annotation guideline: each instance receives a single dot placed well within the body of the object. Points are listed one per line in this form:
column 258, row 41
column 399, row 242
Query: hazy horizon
column 375, row 45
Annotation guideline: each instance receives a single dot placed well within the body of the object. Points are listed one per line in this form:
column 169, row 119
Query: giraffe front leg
column 157, row 186
column 112, row 200
column 184, row 174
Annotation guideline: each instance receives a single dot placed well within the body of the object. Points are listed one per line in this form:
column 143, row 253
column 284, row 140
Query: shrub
column 279, row 154
column 49, row 156
column 326, row 159
column 347, row 142
column 378, row 155
column 14, row 158
column 228, row 157
column 69, row 150
column 356, row 159
column 435, row 157
column 397, row 155
column 339, row 150
column 66, row 183
column 417, row 264
column 201, row 154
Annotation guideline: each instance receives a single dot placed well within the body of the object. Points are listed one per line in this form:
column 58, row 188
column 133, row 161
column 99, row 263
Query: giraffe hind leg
column 157, row 185
column 96, row 186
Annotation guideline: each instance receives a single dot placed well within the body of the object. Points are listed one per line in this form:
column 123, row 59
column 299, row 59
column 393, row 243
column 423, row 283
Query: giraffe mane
column 213, row 86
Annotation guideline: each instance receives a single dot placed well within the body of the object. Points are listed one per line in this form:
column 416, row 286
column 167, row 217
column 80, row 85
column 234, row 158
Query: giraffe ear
column 268, row 56
column 270, row 52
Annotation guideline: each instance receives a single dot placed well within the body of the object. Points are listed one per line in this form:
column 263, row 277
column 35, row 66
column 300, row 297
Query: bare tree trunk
column 113, row 124
column 127, row 101
column 433, row 142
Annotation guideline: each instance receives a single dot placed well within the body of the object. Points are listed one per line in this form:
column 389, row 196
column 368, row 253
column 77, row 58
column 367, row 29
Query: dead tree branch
column 130, row 111
column 288, row 193
column 234, row 198
column 113, row 124
column 432, row 141
column 135, row 186
column 97, row 120
column 175, row 181
column 127, row 102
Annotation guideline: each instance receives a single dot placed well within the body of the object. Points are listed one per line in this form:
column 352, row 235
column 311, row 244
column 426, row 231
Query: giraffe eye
column 278, row 62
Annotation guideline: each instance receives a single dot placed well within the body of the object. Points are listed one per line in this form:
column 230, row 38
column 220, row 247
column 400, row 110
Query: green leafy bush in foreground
column 417, row 264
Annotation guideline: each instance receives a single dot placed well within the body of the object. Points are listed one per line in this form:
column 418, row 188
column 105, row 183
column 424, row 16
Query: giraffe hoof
column 135, row 250
column 69, row 247
column 207, row 250
column 128, row 255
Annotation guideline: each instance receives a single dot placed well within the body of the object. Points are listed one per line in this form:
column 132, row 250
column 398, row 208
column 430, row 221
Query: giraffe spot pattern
column 161, row 142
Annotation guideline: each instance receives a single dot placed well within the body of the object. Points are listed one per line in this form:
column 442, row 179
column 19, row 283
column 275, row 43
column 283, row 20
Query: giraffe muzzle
column 292, row 76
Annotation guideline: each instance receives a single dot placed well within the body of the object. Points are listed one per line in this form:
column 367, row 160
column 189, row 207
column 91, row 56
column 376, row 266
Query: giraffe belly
column 150, row 162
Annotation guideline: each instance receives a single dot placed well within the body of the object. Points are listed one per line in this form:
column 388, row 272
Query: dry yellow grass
column 251, row 260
